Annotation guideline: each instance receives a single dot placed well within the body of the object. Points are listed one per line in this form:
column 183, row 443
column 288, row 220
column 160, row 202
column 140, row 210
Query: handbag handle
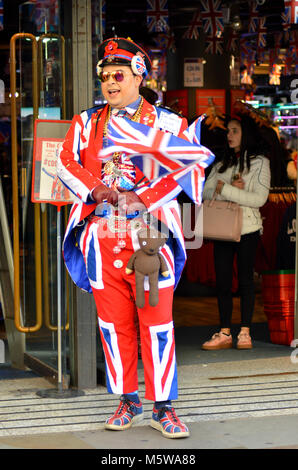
column 229, row 206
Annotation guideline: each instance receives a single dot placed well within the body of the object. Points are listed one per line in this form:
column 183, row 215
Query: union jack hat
column 126, row 52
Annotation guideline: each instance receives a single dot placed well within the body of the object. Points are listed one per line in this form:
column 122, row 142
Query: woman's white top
column 251, row 198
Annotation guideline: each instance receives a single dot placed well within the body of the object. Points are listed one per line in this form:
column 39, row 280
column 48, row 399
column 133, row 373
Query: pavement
column 245, row 400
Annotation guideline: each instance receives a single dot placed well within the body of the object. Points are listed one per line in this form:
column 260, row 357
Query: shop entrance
column 41, row 87
column 31, row 324
column 37, row 74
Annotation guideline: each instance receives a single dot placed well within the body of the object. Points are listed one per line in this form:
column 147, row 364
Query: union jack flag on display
column 253, row 17
column 293, row 44
column 248, row 55
column 1, row 15
column 157, row 16
column 192, row 31
column 290, row 15
column 233, row 40
column 212, row 16
column 159, row 154
column 261, row 33
column 47, row 11
column 214, row 45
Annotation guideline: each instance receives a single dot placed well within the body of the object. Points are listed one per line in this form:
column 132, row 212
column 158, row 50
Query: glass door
column 38, row 91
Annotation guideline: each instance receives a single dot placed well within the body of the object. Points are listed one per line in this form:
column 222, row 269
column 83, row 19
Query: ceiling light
column 236, row 23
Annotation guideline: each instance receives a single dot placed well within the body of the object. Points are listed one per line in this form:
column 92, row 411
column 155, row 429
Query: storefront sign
column 46, row 186
column 193, row 73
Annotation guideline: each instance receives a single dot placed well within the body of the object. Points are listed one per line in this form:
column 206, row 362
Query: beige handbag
column 222, row 220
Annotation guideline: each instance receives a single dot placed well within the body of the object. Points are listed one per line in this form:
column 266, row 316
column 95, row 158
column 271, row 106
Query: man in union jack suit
column 113, row 200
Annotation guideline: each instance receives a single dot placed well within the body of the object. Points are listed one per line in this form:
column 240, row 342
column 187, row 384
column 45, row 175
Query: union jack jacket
column 80, row 170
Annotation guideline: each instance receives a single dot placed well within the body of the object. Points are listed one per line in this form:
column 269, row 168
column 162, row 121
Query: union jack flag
column 248, row 54
column 233, row 40
column 159, row 154
column 261, row 33
column 293, row 43
column 157, row 16
column 212, row 16
column 1, row 15
column 192, row 31
column 214, row 45
column 290, row 15
column 47, row 11
column 253, row 17
column 171, row 42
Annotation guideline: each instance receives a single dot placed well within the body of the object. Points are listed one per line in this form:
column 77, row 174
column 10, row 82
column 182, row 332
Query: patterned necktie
column 122, row 113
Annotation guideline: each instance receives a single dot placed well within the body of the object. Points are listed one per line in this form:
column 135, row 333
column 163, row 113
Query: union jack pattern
column 157, row 15
column 261, row 33
column 162, row 154
column 159, row 195
column 293, row 43
column 87, row 255
column 233, row 41
column 47, row 10
column 214, row 45
column 212, row 16
column 290, row 58
column 164, row 360
column 114, row 368
column 126, row 413
column 290, row 15
column 167, row 421
column 253, row 17
column 192, row 31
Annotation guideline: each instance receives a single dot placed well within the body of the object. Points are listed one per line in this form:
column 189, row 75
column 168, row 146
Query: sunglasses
column 118, row 76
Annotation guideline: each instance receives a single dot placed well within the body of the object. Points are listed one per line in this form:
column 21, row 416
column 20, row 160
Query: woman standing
column 243, row 176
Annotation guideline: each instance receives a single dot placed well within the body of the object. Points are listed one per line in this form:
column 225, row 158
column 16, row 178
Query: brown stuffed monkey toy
column 147, row 261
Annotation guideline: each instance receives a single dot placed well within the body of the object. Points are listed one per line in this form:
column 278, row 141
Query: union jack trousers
column 117, row 311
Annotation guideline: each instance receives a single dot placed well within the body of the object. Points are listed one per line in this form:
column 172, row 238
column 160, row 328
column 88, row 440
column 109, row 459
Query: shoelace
column 124, row 402
column 172, row 414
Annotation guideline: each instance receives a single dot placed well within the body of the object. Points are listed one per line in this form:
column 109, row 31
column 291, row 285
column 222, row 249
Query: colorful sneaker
column 218, row 341
column 166, row 421
column 127, row 414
